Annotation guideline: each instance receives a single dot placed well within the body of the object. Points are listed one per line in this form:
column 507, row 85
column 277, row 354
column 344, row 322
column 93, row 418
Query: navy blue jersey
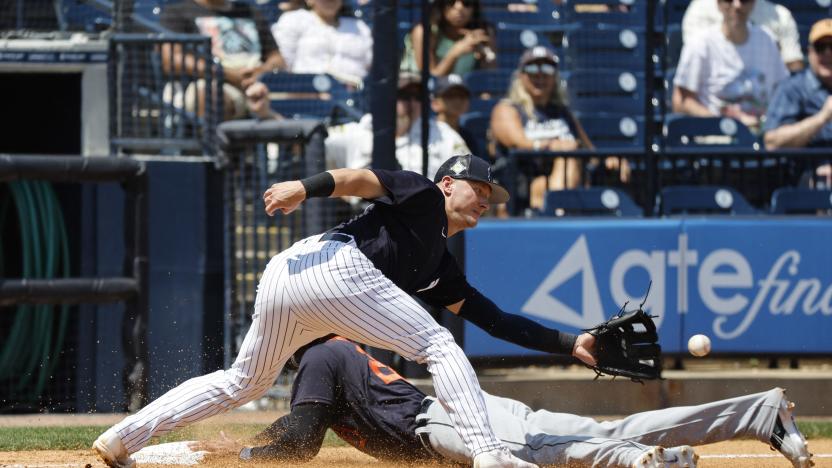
column 373, row 408
column 404, row 234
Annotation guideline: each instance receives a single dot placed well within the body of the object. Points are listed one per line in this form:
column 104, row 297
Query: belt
column 337, row 237
column 422, row 432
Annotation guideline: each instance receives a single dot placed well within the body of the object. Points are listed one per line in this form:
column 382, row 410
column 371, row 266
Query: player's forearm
column 483, row 313
column 295, row 437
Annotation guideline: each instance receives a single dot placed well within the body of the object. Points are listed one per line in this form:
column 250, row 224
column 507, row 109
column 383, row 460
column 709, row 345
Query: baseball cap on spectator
column 820, row 29
column 470, row 167
column 538, row 53
column 443, row 84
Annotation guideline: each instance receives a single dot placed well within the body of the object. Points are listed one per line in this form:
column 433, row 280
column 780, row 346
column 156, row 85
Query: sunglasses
column 822, row 47
column 545, row 68
column 465, row 3
column 732, row 1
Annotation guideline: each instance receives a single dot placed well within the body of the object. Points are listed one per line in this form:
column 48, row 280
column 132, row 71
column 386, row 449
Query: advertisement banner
column 752, row 285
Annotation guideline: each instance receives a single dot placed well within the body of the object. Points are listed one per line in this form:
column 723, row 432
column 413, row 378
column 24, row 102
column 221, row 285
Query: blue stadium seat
column 488, row 83
column 616, row 49
column 681, row 131
column 610, row 13
column 544, row 13
column 703, row 199
column 673, row 45
column 606, row 91
column 511, row 42
column 305, row 83
column 807, row 12
column 593, row 201
column 483, row 106
column 794, row 200
column 614, row 132
column 477, row 124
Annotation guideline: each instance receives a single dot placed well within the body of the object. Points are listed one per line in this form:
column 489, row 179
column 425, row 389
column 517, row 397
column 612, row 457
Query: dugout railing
column 131, row 287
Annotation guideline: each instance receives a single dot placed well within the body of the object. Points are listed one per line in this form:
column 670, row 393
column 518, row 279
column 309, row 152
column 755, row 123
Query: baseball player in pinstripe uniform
column 356, row 280
column 370, row 406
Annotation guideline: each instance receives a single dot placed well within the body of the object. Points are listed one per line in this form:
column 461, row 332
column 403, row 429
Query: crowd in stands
column 740, row 59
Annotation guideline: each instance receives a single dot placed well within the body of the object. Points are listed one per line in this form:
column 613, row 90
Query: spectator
column 775, row 19
column 451, row 99
column 240, row 39
column 535, row 116
column 351, row 145
column 730, row 69
column 325, row 39
column 460, row 40
column 801, row 108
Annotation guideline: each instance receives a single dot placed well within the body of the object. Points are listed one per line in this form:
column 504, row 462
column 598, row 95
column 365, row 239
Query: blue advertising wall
column 753, row 285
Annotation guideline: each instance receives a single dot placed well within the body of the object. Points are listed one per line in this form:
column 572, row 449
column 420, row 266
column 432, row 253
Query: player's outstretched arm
column 287, row 196
column 519, row 330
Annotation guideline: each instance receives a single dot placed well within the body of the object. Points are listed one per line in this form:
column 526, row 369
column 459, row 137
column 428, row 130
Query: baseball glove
column 627, row 345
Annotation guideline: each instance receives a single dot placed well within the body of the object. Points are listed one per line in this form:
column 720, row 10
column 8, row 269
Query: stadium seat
column 610, row 13
column 794, row 200
column 807, row 12
column 606, row 91
column 477, row 124
column 488, row 84
column 313, row 85
column 705, row 199
column 681, row 131
column 608, row 133
column 597, row 49
column 512, row 42
column 483, row 106
column 310, row 108
column 675, row 11
column 544, row 13
column 673, row 45
column 593, row 201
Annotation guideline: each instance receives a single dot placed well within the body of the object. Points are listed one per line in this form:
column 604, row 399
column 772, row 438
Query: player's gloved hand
column 284, row 196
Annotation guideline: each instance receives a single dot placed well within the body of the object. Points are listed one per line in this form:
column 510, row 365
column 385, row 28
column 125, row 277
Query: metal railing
column 156, row 97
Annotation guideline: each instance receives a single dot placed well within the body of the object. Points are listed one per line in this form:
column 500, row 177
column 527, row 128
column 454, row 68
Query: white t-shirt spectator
column 311, row 46
column 351, row 146
column 722, row 73
column 775, row 19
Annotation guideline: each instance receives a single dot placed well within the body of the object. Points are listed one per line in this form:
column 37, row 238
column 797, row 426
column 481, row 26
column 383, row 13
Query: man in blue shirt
column 799, row 113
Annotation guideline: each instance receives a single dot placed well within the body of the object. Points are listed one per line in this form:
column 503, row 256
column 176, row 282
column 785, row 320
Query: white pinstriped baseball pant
column 310, row 290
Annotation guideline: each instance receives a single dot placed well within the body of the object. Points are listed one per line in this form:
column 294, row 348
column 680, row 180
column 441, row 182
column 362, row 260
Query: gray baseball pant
column 548, row 438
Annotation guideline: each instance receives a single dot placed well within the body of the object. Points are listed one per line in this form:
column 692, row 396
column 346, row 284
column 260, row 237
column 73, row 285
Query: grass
column 81, row 437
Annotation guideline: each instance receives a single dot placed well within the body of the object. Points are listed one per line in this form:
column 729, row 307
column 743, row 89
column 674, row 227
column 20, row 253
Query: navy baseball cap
column 443, row 84
column 470, row 167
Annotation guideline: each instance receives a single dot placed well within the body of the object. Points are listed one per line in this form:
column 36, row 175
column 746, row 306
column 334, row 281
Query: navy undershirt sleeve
column 295, row 437
column 516, row 329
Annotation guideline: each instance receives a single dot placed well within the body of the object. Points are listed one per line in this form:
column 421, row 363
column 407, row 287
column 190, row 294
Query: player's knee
column 441, row 344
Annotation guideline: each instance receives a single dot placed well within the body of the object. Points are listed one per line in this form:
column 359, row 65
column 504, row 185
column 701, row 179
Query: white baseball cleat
column 501, row 458
column 682, row 456
column 109, row 448
column 786, row 437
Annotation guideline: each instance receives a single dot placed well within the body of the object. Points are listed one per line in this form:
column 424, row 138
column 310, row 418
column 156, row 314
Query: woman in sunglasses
column 534, row 116
column 460, row 40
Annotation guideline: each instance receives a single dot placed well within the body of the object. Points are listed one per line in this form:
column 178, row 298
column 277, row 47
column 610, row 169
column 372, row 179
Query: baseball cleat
column 500, row 459
column 109, row 448
column 682, row 456
column 787, row 438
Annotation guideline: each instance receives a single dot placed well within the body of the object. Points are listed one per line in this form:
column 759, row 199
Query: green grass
column 81, row 437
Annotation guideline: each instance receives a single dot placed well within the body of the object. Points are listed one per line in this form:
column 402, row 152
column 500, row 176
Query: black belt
column 423, row 435
column 337, row 237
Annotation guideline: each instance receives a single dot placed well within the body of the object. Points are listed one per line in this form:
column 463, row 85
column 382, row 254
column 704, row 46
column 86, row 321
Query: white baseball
column 699, row 345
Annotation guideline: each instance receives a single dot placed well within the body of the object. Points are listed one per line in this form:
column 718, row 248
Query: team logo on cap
column 458, row 167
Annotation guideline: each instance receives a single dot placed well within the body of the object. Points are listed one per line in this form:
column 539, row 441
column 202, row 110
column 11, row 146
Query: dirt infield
column 755, row 455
